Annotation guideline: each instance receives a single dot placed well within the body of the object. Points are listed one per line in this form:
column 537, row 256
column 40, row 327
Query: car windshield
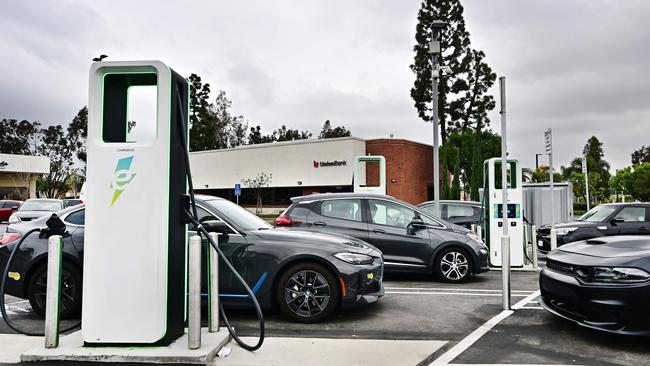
column 598, row 213
column 41, row 205
column 241, row 217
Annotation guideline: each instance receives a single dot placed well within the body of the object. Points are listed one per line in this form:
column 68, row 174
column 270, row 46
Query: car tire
column 453, row 265
column 307, row 293
column 70, row 290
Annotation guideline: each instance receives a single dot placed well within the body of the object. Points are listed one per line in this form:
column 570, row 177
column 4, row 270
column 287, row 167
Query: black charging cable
column 193, row 217
column 5, row 274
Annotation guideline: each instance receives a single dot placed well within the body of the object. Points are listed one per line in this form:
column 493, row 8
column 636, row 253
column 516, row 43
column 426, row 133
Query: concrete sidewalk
column 283, row 351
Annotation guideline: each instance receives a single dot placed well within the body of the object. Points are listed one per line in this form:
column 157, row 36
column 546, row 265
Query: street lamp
column 437, row 26
column 537, row 161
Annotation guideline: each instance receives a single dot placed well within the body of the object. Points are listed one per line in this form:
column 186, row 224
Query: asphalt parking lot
column 460, row 316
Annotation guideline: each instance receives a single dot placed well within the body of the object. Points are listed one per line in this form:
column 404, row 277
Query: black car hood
column 577, row 224
column 611, row 247
column 337, row 243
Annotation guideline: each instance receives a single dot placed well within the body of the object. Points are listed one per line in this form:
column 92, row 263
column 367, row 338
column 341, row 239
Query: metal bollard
column 553, row 239
column 505, row 269
column 479, row 231
column 526, row 242
column 213, row 324
column 473, row 228
column 53, row 296
column 194, row 301
column 533, row 237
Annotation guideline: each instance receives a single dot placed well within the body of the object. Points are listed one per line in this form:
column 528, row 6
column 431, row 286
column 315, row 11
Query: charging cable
column 193, row 217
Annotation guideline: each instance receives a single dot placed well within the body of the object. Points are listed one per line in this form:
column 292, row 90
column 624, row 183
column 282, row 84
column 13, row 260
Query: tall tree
column 77, row 134
column 462, row 98
column 642, row 155
column 288, row 134
column 19, row 137
column 54, row 144
column 202, row 128
column 327, row 132
column 594, row 153
column 255, row 136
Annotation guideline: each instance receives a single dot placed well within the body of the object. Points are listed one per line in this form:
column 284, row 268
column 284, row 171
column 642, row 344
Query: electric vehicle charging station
column 131, row 185
column 360, row 177
column 493, row 211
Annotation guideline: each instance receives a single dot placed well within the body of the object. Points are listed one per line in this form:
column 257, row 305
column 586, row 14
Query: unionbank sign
column 324, row 164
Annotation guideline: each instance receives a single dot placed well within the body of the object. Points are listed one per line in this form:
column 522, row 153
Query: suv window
column 459, row 211
column 632, row 214
column 342, row 209
column 391, row 214
column 77, row 218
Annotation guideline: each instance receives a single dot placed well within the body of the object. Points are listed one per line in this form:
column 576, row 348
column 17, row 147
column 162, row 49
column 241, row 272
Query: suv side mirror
column 416, row 224
column 217, row 226
column 14, row 208
column 616, row 221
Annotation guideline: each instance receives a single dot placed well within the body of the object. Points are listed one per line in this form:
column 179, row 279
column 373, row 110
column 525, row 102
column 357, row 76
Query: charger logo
column 122, row 177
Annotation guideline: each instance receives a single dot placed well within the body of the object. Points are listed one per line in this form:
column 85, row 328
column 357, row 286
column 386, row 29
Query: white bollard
column 479, row 231
column 194, row 301
column 553, row 239
column 213, row 325
column 53, row 295
column 533, row 237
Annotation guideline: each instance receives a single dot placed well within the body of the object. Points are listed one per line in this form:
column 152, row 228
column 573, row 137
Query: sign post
column 548, row 139
column 586, row 174
column 505, row 238
column 237, row 192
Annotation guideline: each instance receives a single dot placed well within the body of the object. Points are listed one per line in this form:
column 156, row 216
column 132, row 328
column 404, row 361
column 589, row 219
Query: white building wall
column 292, row 163
column 24, row 164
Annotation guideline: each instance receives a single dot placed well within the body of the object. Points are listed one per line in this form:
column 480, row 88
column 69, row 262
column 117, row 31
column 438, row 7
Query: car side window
column 429, row 209
column 342, row 209
column 632, row 214
column 77, row 218
column 391, row 214
column 459, row 211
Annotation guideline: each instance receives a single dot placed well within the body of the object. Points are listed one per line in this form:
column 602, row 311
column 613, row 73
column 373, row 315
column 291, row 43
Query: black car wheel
column 453, row 265
column 70, row 291
column 307, row 293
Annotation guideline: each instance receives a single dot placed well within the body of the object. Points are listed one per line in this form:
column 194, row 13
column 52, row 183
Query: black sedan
column 601, row 283
column 463, row 213
column 603, row 220
column 306, row 275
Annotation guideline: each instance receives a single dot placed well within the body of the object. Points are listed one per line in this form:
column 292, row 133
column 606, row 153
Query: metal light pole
column 434, row 49
column 505, row 238
column 586, row 174
column 548, row 135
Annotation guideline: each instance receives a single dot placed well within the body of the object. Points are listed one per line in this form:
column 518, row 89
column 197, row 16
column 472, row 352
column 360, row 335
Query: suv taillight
column 285, row 220
column 7, row 238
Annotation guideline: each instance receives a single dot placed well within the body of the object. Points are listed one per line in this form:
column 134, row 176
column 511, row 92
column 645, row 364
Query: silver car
column 35, row 208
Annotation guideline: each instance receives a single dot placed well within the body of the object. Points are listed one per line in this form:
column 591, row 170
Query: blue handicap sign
column 237, row 189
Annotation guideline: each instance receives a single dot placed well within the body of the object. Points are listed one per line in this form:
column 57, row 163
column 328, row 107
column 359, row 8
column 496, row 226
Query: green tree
column 258, row 183
column 77, row 133
column 202, row 129
column 542, row 175
column 462, row 93
column 594, row 153
column 633, row 180
column 255, row 136
column 327, row 132
column 19, row 137
column 54, row 144
column 288, row 134
column 642, row 155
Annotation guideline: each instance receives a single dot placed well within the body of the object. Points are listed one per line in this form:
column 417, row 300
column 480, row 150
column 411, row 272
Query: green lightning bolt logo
column 121, row 177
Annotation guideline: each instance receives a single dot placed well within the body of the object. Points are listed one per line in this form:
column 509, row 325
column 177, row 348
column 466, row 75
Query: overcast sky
column 579, row 67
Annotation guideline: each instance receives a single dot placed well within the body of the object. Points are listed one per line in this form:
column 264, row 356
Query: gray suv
column 410, row 239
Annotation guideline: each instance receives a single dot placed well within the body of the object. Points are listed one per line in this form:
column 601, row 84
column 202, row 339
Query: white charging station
column 493, row 212
column 360, row 174
column 134, row 281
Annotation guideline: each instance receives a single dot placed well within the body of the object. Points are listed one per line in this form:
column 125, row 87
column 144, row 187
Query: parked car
column 603, row 220
column 410, row 239
column 307, row 275
column 601, row 283
column 34, row 208
column 69, row 202
column 7, row 207
column 463, row 213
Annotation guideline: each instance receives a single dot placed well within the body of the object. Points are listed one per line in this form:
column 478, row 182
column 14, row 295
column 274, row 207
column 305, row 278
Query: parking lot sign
column 548, row 139
column 237, row 189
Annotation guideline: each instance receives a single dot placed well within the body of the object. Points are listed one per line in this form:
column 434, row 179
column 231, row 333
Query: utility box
column 537, row 202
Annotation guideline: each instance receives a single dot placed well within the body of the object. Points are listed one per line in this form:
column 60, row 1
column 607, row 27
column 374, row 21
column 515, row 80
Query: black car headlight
column 619, row 275
column 354, row 258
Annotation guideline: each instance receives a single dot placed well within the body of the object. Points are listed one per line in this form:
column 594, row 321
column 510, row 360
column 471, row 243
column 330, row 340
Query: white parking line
column 453, row 289
column 468, row 341
column 450, row 293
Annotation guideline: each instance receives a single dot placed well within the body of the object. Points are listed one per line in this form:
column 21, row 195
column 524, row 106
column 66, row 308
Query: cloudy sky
column 577, row 66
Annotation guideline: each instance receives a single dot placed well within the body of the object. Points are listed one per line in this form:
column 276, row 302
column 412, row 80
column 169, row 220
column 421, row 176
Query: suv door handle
column 378, row 231
column 320, row 223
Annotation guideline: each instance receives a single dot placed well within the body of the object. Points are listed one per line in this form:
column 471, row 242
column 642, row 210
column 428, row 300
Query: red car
column 7, row 207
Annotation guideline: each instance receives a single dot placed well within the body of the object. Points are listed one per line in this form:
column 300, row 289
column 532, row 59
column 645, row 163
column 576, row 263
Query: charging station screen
column 513, row 211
